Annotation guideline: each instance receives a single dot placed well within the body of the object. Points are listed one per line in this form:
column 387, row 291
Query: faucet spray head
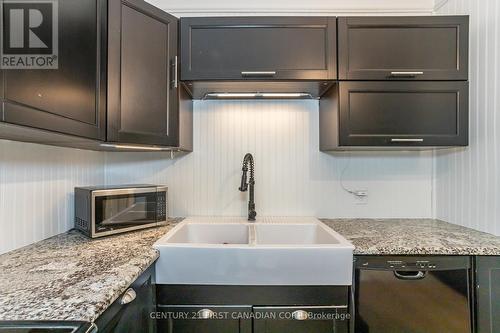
column 244, row 184
column 249, row 185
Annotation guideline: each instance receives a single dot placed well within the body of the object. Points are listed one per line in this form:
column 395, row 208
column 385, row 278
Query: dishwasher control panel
column 419, row 264
column 411, row 263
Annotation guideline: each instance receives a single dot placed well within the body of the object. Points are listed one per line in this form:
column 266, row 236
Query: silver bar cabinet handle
column 407, row 140
column 176, row 74
column 406, row 74
column 258, row 73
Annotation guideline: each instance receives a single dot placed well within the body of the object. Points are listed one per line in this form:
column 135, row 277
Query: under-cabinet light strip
column 133, row 147
column 258, row 95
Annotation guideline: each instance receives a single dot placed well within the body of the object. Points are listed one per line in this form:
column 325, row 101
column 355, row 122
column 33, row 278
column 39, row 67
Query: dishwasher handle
column 416, row 275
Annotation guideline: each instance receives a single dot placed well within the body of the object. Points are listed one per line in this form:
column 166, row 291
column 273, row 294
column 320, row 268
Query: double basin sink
column 271, row 251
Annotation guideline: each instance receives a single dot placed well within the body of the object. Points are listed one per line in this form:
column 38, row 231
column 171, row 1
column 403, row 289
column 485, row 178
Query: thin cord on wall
column 343, row 173
column 359, row 194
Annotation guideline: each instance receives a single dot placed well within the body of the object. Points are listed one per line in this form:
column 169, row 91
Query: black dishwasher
column 408, row 294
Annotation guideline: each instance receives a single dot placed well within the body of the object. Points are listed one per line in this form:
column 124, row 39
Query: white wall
column 292, row 176
column 36, row 189
column 468, row 180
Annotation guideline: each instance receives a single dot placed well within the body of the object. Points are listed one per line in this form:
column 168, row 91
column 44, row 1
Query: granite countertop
column 72, row 277
column 414, row 237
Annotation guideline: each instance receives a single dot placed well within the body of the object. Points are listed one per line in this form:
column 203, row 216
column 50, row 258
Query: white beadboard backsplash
column 468, row 180
column 36, row 189
column 292, row 176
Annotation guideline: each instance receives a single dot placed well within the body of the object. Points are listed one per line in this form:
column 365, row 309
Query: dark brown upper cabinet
column 71, row 99
column 142, row 87
column 117, row 82
column 394, row 115
column 258, row 48
column 403, row 48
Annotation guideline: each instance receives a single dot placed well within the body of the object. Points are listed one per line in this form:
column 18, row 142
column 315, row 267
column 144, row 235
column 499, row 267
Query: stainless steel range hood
column 250, row 89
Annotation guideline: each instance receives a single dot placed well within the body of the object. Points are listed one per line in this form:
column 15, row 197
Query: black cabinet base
column 487, row 293
column 133, row 314
column 257, row 309
column 253, row 295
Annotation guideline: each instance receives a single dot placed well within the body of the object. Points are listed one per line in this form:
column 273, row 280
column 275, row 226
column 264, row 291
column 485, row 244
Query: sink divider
column 252, row 237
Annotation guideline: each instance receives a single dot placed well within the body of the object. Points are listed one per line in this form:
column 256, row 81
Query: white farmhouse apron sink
column 271, row 251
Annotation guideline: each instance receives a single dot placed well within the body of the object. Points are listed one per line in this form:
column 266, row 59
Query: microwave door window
column 129, row 213
column 123, row 211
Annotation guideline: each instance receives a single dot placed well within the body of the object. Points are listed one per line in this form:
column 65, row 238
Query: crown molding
column 268, row 12
column 439, row 4
column 295, row 7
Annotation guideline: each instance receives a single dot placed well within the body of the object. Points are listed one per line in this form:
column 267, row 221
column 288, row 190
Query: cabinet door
column 134, row 316
column 70, row 99
column 142, row 87
column 1, row 90
column 403, row 114
column 488, row 294
column 300, row 320
column 274, row 48
column 205, row 319
column 405, row 48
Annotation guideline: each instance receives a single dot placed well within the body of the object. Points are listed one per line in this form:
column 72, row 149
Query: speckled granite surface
column 71, row 277
column 414, row 237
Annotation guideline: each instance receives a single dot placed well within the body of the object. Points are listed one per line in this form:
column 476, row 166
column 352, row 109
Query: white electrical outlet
column 361, row 197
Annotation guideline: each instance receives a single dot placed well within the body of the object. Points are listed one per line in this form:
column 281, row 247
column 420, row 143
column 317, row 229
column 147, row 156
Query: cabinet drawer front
column 403, row 113
column 403, row 48
column 258, row 48
column 204, row 318
column 301, row 319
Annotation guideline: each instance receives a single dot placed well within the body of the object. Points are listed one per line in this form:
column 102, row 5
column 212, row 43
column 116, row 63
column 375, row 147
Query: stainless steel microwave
column 107, row 210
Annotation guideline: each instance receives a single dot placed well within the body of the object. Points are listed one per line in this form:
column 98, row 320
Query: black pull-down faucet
column 248, row 161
